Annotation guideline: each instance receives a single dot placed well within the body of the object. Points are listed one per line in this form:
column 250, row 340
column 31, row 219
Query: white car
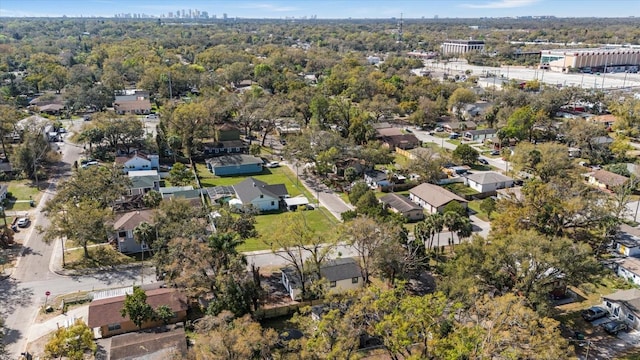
column 152, row 116
column 273, row 164
column 23, row 222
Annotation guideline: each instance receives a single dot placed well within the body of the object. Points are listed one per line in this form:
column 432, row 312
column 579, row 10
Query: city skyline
column 355, row 9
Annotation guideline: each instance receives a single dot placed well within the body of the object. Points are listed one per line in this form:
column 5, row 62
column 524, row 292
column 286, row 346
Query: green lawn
column 455, row 142
column 460, row 188
column 475, row 206
column 22, row 190
column 320, row 220
column 279, row 175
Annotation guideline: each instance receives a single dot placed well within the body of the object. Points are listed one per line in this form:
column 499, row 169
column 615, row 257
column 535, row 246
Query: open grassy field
column 99, row 256
column 279, row 175
column 320, row 220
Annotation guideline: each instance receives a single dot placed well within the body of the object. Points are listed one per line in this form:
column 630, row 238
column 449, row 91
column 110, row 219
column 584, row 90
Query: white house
column 342, row 275
column 628, row 240
column 261, row 195
column 433, row 197
column 624, row 305
column 138, row 161
column 488, row 181
column 629, row 269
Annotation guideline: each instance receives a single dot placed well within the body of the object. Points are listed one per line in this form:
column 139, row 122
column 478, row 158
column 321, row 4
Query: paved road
column 424, row 136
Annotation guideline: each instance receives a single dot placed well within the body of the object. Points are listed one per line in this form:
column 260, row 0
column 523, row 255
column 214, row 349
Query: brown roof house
column 105, row 318
column 135, row 102
column 403, row 206
column 606, row 180
column 123, row 236
column 433, row 197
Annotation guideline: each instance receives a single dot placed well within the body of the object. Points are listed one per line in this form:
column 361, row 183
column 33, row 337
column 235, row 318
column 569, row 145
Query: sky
column 325, row 9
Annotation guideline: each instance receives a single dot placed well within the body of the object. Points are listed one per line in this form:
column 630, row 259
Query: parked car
column 614, row 327
column 593, row 313
column 273, row 164
column 89, row 163
column 483, row 161
column 439, row 129
column 408, row 130
column 23, row 222
column 152, row 116
column 454, row 135
column 495, row 152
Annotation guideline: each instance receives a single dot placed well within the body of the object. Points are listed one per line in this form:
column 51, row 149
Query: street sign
column 48, row 293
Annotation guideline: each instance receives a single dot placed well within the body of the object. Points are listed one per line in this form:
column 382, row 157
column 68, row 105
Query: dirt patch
column 276, row 294
column 36, row 347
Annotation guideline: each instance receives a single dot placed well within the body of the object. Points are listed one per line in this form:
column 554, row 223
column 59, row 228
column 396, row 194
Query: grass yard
column 279, row 175
column 455, row 142
column 22, row 190
column 99, row 256
column 320, row 220
column 460, row 188
column 475, row 206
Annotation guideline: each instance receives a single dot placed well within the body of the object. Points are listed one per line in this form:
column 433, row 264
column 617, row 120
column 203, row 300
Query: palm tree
column 144, row 234
column 424, row 230
column 225, row 248
column 450, row 219
column 438, row 224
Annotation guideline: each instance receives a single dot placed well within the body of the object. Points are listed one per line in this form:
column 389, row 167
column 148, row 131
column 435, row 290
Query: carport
column 294, row 202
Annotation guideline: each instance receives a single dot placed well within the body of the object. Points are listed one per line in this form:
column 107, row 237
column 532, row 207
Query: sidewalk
column 39, row 330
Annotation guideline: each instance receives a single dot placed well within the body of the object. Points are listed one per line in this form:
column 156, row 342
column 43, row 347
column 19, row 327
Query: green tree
column 136, row 307
column 145, row 233
column 466, row 154
column 488, row 205
column 520, row 124
column 459, row 98
column 357, row 190
column 225, row 337
column 164, row 314
column 152, row 199
column 180, row 175
column 72, row 342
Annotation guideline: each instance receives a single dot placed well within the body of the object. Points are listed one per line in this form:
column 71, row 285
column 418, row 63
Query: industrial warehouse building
column 610, row 59
column 456, row 47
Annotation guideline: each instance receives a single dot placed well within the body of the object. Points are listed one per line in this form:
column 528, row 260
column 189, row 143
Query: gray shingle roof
column 630, row 298
column 251, row 188
column 340, row 269
column 239, row 159
column 399, row 202
column 488, row 177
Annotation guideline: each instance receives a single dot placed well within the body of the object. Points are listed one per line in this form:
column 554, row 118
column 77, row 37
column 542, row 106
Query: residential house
column 34, row 123
column 627, row 240
column 5, row 167
column 143, row 181
column 230, row 165
column 605, row 120
column 606, row 180
column 479, row 135
column 135, row 102
column 433, row 197
column 104, row 314
column 243, row 85
column 138, row 161
column 193, row 196
column 226, row 147
column 381, row 125
column 342, row 275
column 259, row 194
column 403, row 206
column 384, row 131
column 629, row 268
column 123, row 227
column 166, row 343
column 226, row 132
column 375, row 179
column 404, row 141
column 488, row 181
column 341, row 165
column 458, row 126
column 624, row 305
